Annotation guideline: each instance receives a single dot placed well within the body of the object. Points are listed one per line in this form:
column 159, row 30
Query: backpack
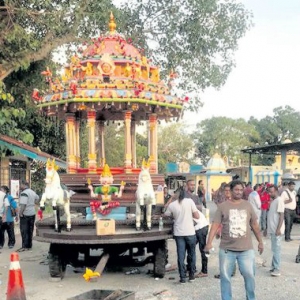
column 12, row 206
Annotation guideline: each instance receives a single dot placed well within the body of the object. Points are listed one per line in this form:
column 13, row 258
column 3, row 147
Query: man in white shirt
column 183, row 211
column 289, row 198
column 201, row 228
column 254, row 200
column 275, row 227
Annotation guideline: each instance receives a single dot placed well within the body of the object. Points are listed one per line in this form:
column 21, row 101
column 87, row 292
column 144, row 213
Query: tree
column 210, row 31
column 284, row 124
column 30, row 30
column 10, row 115
column 195, row 38
column 225, row 136
column 174, row 145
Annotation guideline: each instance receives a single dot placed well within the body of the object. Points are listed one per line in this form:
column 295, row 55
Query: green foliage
column 38, row 175
column 141, row 148
column 114, row 145
column 225, row 136
column 47, row 134
column 174, row 145
column 10, row 115
column 195, row 38
column 209, row 31
column 284, row 124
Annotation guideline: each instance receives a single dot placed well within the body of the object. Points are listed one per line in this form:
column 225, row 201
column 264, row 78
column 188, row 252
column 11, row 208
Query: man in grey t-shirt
column 28, row 200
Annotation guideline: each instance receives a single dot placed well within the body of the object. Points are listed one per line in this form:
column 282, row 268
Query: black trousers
column 289, row 215
column 26, row 227
column 201, row 235
column 9, row 227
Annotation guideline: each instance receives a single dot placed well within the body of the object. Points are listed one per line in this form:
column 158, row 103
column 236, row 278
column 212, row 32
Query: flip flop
column 133, row 271
column 21, row 250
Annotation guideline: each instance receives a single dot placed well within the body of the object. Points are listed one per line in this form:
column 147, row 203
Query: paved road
column 38, row 287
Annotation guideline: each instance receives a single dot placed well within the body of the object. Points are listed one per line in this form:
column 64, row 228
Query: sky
column 267, row 72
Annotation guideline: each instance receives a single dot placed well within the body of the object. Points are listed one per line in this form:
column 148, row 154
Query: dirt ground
column 38, row 286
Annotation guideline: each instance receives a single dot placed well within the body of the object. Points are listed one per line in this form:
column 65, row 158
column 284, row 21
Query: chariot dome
column 109, row 80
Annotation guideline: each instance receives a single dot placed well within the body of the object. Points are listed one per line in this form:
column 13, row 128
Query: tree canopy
column 208, row 29
column 225, row 136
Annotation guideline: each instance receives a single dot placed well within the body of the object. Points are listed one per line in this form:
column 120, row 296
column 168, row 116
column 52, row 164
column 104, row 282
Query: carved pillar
column 133, row 143
column 102, row 145
column 70, row 143
column 152, row 143
column 128, row 154
column 77, row 143
column 91, row 120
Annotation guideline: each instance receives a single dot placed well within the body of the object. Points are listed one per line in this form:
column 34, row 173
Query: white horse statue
column 145, row 196
column 56, row 194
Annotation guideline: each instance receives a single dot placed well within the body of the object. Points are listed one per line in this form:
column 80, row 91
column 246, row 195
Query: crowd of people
column 23, row 212
column 265, row 209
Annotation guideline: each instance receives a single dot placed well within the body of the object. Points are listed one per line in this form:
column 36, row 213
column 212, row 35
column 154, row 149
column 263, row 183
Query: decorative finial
column 106, row 171
column 112, row 24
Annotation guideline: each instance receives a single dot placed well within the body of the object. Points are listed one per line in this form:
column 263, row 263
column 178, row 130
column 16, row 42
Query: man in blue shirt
column 8, row 225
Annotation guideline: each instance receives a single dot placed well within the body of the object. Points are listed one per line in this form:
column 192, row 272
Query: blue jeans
column 246, row 262
column 276, row 249
column 183, row 244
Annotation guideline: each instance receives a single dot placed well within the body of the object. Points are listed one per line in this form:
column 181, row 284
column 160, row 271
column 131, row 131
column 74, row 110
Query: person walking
column 289, row 198
column 201, row 192
column 265, row 202
column 9, row 224
column 247, row 190
column 4, row 205
column 254, row 200
column 28, row 200
column 183, row 211
column 201, row 229
column 238, row 218
column 275, row 227
column 188, row 189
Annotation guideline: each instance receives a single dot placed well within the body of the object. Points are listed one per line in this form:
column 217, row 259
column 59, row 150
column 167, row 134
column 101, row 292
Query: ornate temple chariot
column 108, row 80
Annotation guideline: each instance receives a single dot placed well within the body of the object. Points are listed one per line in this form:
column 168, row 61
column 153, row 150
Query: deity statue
column 155, row 75
column 128, row 70
column 88, row 69
column 105, row 191
column 106, row 65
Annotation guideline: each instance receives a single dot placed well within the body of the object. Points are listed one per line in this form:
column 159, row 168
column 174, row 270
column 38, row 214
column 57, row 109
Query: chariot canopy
column 109, row 80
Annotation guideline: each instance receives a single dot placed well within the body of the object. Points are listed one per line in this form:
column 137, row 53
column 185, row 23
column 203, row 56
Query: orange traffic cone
column 15, row 286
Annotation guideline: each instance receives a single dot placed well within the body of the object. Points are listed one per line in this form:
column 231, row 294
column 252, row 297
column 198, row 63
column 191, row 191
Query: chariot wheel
column 160, row 259
column 57, row 264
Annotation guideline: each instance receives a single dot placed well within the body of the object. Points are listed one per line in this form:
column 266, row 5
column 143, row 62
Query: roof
column 273, row 149
column 109, row 76
column 29, row 151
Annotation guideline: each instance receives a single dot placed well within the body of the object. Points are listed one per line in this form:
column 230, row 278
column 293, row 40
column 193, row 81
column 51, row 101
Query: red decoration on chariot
column 48, row 75
column 96, row 206
column 35, row 95
column 73, row 87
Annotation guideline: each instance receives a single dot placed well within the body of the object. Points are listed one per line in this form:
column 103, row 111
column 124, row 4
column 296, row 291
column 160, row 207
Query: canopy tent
column 277, row 149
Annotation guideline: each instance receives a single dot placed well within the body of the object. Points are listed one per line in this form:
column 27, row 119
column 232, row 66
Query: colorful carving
column 88, row 69
column 128, row 70
column 105, row 191
column 145, row 197
column 106, row 65
column 56, row 194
